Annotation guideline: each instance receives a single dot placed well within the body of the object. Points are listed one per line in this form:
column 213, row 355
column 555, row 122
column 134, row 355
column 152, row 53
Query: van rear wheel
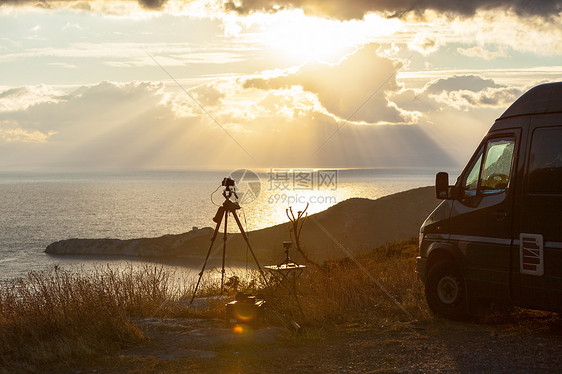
column 445, row 291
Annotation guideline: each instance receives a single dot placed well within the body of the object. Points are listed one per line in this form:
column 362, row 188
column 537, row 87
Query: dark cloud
column 394, row 8
column 147, row 4
column 152, row 4
column 353, row 9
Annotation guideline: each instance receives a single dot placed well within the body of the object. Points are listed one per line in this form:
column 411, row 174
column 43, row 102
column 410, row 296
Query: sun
column 305, row 38
column 301, row 38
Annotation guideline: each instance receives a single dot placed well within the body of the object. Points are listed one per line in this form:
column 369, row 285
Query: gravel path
column 531, row 343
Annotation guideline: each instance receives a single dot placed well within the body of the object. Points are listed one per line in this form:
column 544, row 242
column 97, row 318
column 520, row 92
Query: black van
column 497, row 236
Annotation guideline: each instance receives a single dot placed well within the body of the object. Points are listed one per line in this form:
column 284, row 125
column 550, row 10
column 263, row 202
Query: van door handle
column 499, row 215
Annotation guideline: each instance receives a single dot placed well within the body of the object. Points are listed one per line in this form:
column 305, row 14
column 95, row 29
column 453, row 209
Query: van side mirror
column 442, row 186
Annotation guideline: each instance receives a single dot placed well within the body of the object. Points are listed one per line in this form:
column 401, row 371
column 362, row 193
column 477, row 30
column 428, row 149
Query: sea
column 40, row 208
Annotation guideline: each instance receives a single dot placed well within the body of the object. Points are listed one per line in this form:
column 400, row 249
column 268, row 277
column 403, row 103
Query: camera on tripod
column 228, row 207
column 228, row 182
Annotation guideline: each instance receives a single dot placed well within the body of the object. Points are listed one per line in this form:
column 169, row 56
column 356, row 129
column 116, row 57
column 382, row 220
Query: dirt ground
column 531, row 342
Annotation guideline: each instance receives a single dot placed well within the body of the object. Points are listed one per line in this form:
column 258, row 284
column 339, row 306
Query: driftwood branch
column 295, row 228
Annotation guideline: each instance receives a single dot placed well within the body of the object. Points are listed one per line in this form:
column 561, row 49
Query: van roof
column 542, row 99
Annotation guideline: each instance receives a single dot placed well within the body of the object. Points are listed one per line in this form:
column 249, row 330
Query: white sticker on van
column 531, row 254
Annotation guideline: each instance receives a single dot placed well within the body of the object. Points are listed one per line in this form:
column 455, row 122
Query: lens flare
column 244, row 313
column 238, row 329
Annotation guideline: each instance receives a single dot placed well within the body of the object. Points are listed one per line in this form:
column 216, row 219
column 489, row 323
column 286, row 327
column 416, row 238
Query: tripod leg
column 224, row 249
column 249, row 246
column 208, row 253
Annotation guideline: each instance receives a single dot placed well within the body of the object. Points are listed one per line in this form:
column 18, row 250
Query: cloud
column 104, row 125
column 86, row 5
column 48, row 109
column 63, row 65
column 424, row 43
column 290, row 104
column 152, row 4
column 357, row 9
column 131, row 54
column 458, row 93
column 458, row 110
column 110, row 125
column 18, row 135
column 343, row 88
column 21, row 98
column 498, row 31
column 354, row 9
column 465, row 99
column 72, row 26
column 208, row 95
column 482, row 53
column 472, row 83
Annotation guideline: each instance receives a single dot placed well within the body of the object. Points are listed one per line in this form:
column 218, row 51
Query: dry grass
column 59, row 315
column 344, row 292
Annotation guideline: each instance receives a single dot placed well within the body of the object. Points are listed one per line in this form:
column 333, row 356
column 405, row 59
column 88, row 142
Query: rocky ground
column 530, row 342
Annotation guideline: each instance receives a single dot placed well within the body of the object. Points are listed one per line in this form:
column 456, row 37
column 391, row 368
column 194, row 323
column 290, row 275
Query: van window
column 545, row 162
column 471, row 183
column 494, row 175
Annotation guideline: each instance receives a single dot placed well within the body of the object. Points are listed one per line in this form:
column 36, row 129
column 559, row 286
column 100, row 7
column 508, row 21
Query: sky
column 196, row 84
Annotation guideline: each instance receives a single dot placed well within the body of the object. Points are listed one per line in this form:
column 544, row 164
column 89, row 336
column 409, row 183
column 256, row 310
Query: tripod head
column 228, row 205
column 229, row 188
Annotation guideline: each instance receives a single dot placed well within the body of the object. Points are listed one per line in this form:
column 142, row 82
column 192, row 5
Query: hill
column 357, row 224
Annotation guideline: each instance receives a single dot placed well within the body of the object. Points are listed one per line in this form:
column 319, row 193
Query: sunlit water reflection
column 38, row 209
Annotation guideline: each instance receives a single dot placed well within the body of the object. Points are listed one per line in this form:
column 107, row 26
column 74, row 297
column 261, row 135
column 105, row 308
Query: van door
column 540, row 233
column 481, row 218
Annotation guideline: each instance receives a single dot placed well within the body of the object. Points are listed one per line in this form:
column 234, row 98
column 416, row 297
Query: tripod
column 223, row 211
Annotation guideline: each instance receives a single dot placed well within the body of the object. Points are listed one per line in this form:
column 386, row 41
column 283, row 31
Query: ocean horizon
column 40, row 208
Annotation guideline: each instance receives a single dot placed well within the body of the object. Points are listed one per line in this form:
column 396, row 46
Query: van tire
column 445, row 290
